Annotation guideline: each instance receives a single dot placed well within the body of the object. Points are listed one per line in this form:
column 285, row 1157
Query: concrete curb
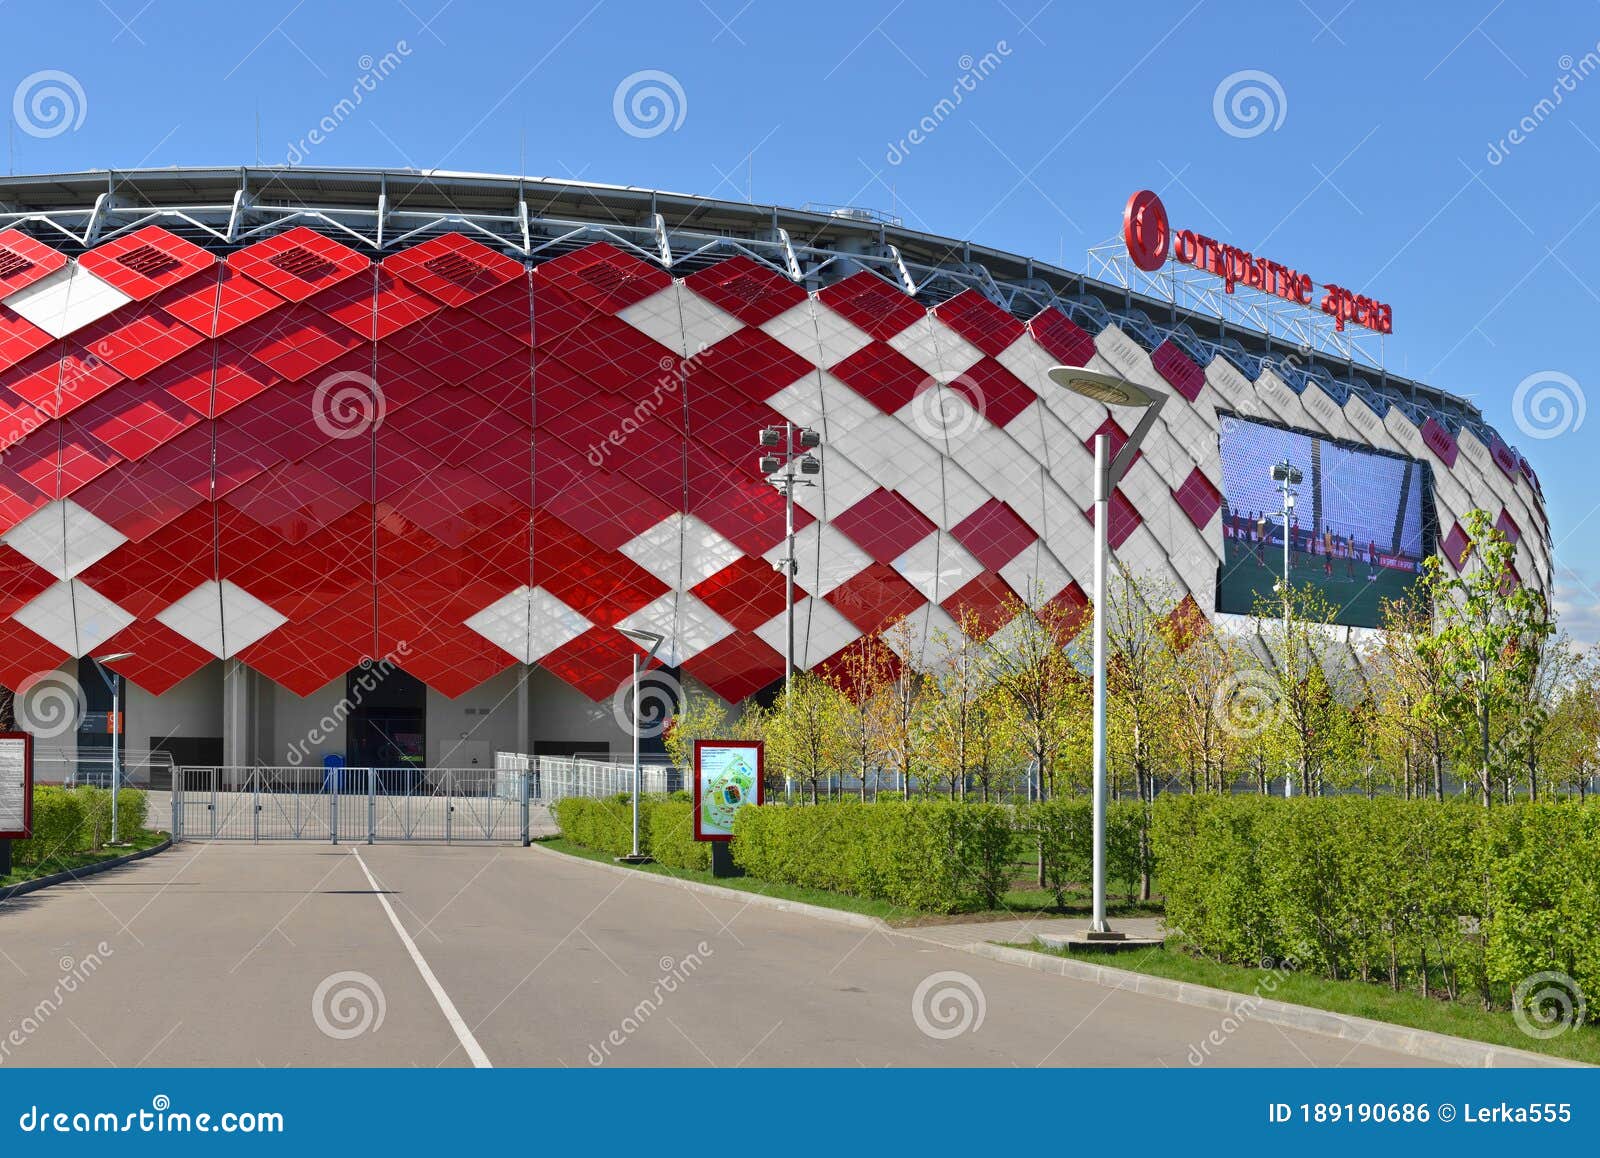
column 837, row 916
column 23, row 887
column 1416, row 1042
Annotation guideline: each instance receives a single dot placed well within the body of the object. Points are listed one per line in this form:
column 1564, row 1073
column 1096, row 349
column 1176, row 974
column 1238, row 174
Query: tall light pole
column 784, row 449
column 114, row 682
column 1108, row 472
column 1286, row 476
column 651, row 640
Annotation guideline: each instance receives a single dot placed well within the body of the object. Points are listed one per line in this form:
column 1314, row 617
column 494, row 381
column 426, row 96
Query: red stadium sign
column 1150, row 240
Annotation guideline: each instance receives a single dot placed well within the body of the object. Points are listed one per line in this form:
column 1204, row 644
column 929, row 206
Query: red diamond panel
column 219, row 301
column 995, row 392
column 603, row 586
column 1067, row 612
column 299, row 263
column 146, row 261
column 1455, row 546
column 1115, row 433
column 980, row 321
column 137, row 339
column 375, row 307
column 304, row 656
column 875, row 598
column 596, row 663
column 454, row 269
column 24, row 655
column 751, row 292
column 60, row 379
column 882, row 375
column 137, row 498
column 1178, row 368
column 1199, row 499
column 736, row 667
column 24, row 261
column 19, row 338
column 1062, row 338
column 20, row 580
column 860, row 668
column 293, row 341
column 747, row 593
column 884, row 525
column 872, row 304
column 994, row 533
column 161, row 658
column 754, row 365
column 1124, row 518
column 983, row 606
column 601, row 277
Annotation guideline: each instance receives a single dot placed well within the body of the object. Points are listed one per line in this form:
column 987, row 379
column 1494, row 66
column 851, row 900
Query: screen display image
column 1358, row 532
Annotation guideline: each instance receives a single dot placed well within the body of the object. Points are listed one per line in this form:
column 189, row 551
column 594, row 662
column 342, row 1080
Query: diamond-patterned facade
column 303, row 456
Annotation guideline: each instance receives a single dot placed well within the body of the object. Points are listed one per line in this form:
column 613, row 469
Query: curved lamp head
column 1103, row 388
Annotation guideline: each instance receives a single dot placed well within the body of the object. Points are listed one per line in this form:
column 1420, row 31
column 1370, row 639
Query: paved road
column 213, row 954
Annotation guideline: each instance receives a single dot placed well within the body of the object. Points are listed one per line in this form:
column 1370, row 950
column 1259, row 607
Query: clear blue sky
column 1378, row 176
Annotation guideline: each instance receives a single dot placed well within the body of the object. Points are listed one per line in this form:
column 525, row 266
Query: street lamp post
column 651, row 640
column 114, row 682
column 1108, row 471
column 783, row 449
column 1286, row 476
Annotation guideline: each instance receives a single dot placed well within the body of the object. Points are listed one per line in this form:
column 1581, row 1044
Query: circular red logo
column 1145, row 232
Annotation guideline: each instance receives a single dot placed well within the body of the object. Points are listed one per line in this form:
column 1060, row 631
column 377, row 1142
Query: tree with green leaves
column 806, row 732
column 1490, row 631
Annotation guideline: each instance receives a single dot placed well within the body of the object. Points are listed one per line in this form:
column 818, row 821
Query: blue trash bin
column 333, row 774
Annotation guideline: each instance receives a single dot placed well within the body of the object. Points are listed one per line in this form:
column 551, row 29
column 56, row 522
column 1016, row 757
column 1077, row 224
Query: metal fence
column 349, row 805
column 92, row 767
column 551, row 778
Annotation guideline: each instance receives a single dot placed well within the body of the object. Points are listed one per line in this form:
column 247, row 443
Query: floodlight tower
column 1286, row 476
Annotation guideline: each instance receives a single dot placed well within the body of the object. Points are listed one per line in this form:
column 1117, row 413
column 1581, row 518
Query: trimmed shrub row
column 73, row 820
column 1440, row 895
column 932, row 856
column 607, row 824
column 1062, row 832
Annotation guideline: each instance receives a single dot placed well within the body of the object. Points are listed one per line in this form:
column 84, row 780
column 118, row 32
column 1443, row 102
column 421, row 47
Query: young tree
column 806, row 731
column 1490, row 630
column 1307, row 680
column 1412, row 685
column 899, row 706
column 864, row 670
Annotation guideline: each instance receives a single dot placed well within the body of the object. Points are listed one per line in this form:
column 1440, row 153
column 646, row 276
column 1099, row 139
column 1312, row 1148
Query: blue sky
column 1389, row 167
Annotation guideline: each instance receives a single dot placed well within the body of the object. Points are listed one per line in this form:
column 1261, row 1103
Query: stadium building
column 269, row 431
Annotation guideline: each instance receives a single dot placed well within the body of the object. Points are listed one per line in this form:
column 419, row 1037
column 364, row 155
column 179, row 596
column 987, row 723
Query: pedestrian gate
column 350, row 805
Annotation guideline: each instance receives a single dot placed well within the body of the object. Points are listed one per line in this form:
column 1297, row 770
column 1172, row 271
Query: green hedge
column 1062, row 832
column 672, row 841
column 933, row 856
column 74, row 820
column 1474, row 899
column 605, row 824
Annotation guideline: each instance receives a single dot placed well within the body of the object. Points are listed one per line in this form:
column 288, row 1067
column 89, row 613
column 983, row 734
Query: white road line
column 446, row 1006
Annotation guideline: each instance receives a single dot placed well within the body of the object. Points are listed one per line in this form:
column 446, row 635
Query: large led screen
column 1358, row 531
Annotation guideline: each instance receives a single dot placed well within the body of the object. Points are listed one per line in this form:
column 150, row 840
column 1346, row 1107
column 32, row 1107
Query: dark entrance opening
column 387, row 725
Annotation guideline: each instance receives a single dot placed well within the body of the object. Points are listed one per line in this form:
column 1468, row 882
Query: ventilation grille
column 746, row 288
column 12, row 263
column 148, row 261
column 300, row 262
column 460, row 270
column 604, row 276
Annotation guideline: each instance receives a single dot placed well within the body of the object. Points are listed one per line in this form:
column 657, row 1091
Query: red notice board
column 16, row 785
column 727, row 776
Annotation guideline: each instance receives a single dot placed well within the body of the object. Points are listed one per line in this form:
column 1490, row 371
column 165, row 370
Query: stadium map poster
column 727, row 775
column 16, row 792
